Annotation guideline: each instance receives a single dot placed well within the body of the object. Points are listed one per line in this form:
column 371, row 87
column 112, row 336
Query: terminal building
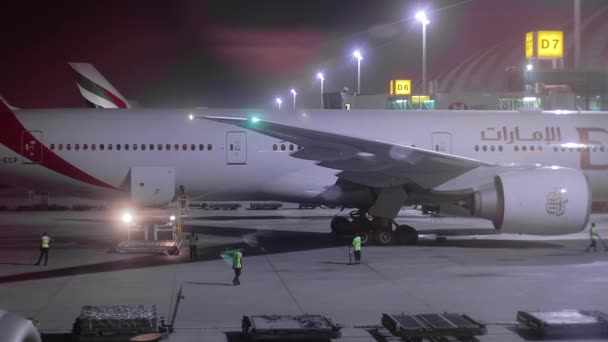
column 538, row 70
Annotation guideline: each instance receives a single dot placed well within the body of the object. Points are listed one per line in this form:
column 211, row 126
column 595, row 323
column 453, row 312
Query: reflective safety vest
column 237, row 259
column 45, row 241
column 593, row 233
column 357, row 243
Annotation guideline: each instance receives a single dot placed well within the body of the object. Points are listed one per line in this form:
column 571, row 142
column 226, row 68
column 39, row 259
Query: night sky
column 245, row 53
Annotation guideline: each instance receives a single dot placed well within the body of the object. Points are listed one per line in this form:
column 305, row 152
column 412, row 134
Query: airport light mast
column 357, row 55
column 424, row 20
column 322, row 78
column 279, row 102
column 293, row 92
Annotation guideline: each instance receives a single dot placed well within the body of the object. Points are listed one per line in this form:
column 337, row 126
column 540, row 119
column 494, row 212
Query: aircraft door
column 442, row 142
column 31, row 147
column 236, row 148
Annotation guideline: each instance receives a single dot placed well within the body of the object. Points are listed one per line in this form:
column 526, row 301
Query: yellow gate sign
column 529, row 45
column 550, row 44
column 400, row 87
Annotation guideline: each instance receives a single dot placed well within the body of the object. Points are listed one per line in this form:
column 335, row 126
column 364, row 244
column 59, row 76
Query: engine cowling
column 542, row 201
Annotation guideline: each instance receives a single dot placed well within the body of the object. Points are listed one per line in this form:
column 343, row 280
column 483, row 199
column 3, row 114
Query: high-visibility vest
column 45, row 241
column 357, row 243
column 237, row 258
column 593, row 233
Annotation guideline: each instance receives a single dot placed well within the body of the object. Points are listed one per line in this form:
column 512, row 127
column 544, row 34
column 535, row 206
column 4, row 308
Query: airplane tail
column 96, row 90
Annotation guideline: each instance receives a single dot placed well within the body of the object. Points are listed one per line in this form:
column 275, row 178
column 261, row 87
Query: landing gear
column 382, row 232
column 406, row 235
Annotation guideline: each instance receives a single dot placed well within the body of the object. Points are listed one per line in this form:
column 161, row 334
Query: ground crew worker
column 193, row 243
column 237, row 265
column 45, row 242
column 357, row 248
column 593, row 236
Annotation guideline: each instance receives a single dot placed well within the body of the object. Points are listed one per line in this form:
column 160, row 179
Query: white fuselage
column 257, row 168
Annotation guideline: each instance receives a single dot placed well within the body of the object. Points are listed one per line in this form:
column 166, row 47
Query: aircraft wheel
column 365, row 239
column 407, row 235
column 340, row 225
column 383, row 237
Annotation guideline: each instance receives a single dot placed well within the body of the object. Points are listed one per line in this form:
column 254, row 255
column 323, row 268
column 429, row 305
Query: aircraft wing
column 368, row 162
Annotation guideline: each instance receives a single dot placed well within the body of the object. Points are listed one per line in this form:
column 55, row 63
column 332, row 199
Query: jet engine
column 542, row 201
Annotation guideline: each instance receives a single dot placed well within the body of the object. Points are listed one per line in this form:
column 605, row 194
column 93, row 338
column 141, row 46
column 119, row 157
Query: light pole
column 358, row 56
column 293, row 92
column 278, row 101
column 422, row 18
column 322, row 78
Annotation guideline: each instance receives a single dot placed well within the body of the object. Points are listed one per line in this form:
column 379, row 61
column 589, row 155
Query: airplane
column 96, row 90
column 527, row 172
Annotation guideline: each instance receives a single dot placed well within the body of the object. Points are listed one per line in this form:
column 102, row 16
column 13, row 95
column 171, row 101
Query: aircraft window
column 77, row 147
column 500, row 148
column 476, row 147
column 571, row 149
column 85, row 147
column 192, row 147
column 93, row 147
column 282, row 147
column 68, row 147
column 101, row 146
column 127, row 147
column 594, row 148
column 117, row 147
column 201, row 147
column 524, row 148
column 134, row 147
column 492, row 148
column 531, row 148
column 485, row 148
column 143, row 147
column 515, row 148
column 159, row 147
column 578, row 149
column 563, row 149
column 109, row 147
column 151, row 147
column 176, row 147
column 168, row 147
column 184, row 147
column 601, row 148
column 291, row 147
column 209, row 147
column 52, row 146
column 555, row 149
column 60, row 147
column 275, row 147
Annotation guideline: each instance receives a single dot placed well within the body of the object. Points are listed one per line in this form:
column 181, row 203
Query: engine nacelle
column 543, row 201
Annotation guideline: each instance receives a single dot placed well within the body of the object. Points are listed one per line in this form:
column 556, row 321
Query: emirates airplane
column 527, row 172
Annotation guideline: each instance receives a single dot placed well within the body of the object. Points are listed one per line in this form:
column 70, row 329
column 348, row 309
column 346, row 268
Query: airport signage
column 529, row 45
column 545, row 45
column 550, row 44
column 400, row 87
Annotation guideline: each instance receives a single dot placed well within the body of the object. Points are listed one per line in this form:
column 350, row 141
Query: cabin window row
column 578, row 149
column 285, row 147
column 133, row 147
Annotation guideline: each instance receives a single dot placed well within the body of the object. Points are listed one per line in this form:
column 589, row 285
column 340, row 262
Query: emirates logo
column 556, row 202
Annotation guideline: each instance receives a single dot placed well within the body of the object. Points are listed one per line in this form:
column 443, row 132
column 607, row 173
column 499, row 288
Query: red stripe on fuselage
column 11, row 133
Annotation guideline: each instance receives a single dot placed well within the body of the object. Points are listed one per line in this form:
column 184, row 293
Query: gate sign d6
column 401, row 87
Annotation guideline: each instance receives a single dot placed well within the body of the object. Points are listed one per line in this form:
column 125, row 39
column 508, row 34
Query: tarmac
column 291, row 266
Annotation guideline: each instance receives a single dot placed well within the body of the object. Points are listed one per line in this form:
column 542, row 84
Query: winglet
column 5, row 103
column 95, row 89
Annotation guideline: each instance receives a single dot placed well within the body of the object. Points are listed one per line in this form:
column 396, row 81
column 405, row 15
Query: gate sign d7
column 549, row 45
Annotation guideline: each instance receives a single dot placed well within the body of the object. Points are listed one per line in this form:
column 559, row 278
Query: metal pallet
column 434, row 327
column 169, row 247
column 115, row 323
column 288, row 327
column 565, row 322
